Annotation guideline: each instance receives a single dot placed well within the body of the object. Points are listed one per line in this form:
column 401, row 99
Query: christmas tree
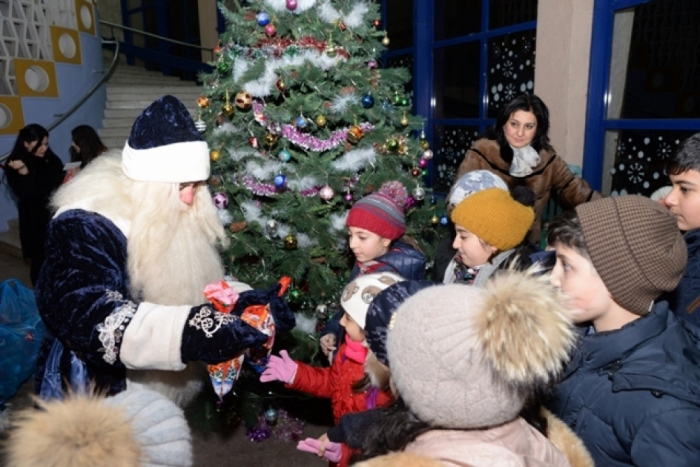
column 302, row 120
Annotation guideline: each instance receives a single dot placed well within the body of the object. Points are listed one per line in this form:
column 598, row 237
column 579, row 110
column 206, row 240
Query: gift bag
column 21, row 333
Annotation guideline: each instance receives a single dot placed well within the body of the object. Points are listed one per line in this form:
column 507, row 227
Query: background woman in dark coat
column 33, row 172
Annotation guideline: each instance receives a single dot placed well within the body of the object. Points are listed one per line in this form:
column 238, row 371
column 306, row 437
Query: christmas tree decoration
column 243, row 100
column 368, row 101
column 342, row 26
column 433, row 200
column 236, row 227
column 284, row 155
column 322, row 310
column 263, row 18
column 281, row 87
column 301, row 122
column 215, row 155
column 415, row 172
column 386, row 40
column 372, row 64
column 290, row 243
column 291, row 4
column 253, row 141
column 216, row 50
column 404, row 102
column 424, row 173
column 424, row 145
column 397, row 98
column 280, row 181
column 321, row 121
column 392, row 145
column 418, row 193
column 223, row 67
column 203, row 102
column 227, row 108
column 355, row 134
column 270, row 30
column 270, row 140
column 377, row 23
column 444, row 221
column 435, row 220
column 271, row 226
column 423, row 163
column 271, row 415
column 220, row 200
column 326, row 193
column 427, row 154
column 200, row 124
column 404, row 120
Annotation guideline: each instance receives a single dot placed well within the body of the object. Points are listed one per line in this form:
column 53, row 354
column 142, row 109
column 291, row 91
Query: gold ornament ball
column 290, row 242
column 424, row 144
column 404, row 121
column 321, row 121
column 331, row 51
column 215, row 155
column 434, row 220
column 386, row 40
column 203, row 101
column 392, row 145
column 227, row 109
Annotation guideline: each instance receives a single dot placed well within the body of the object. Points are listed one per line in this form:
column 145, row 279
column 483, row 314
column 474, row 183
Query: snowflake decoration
column 508, row 69
column 509, row 92
column 664, row 151
column 635, row 172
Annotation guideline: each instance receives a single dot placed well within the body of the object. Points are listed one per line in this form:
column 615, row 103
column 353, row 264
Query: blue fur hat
column 165, row 146
column 381, row 311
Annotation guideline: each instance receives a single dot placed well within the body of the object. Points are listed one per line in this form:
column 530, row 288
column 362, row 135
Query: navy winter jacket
column 633, row 395
column 685, row 300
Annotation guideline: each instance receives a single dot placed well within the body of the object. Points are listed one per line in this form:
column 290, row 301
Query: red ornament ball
column 244, row 100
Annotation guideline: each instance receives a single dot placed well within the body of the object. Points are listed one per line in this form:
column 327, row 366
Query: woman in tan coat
column 517, row 149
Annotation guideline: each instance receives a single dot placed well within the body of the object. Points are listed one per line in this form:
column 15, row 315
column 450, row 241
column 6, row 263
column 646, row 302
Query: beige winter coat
column 515, row 444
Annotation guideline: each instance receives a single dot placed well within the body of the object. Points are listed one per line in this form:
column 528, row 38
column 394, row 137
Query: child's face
column 587, row 295
column 684, row 199
column 366, row 245
column 353, row 330
column 471, row 249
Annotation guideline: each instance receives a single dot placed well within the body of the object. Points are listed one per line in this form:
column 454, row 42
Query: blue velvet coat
column 83, row 296
column 633, row 395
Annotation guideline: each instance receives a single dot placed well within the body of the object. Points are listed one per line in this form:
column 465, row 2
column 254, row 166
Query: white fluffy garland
column 305, row 183
column 340, row 104
column 267, row 170
column 355, row 160
column 352, row 20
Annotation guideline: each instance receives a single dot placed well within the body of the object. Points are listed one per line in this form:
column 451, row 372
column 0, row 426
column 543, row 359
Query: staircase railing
column 87, row 95
column 161, row 54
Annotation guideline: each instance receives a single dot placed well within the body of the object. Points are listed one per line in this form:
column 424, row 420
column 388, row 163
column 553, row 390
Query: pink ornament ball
column 348, row 197
column 291, row 4
column 326, row 193
column 270, row 30
column 220, row 200
column 423, row 163
column 372, row 64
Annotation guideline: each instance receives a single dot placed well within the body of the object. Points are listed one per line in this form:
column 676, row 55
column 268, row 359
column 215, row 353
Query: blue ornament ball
column 280, row 181
column 433, row 200
column 263, row 18
column 284, row 155
column 271, row 416
column 367, row 101
column 301, row 122
column 444, row 221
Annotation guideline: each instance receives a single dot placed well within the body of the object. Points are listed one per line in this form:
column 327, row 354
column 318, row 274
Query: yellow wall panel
column 66, row 45
column 35, row 78
column 11, row 115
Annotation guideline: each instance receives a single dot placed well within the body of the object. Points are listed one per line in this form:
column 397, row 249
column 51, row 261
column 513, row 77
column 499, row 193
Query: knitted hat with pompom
column 381, row 212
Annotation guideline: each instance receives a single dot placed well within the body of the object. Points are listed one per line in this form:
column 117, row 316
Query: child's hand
column 327, row 344
column 322, row 448
column 280, row 369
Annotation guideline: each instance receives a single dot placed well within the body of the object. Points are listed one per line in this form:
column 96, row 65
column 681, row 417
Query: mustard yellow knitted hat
column 495, row 217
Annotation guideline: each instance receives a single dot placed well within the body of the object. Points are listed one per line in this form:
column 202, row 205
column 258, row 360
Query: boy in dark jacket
column 684, row 202
column 632, row 389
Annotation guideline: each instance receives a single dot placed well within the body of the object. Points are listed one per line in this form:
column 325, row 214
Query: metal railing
column 81, row 101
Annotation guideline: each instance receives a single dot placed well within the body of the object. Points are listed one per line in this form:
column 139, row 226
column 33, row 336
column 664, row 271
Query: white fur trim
column 153, row 338
column 173, row 163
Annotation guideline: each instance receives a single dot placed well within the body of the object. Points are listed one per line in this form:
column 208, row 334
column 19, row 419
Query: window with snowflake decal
column 640, row 160
column 511, row 68
column 451, row 143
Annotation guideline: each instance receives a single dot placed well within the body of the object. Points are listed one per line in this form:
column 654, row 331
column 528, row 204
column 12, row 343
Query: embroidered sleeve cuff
column 153, row 338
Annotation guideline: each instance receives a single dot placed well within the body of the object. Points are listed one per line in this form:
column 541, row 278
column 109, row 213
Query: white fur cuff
column 153, row 337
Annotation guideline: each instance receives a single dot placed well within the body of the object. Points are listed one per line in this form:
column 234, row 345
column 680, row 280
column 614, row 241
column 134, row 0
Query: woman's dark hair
column 28, row 134
column 395, row 428
column 86, row 138
column 527, row 103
